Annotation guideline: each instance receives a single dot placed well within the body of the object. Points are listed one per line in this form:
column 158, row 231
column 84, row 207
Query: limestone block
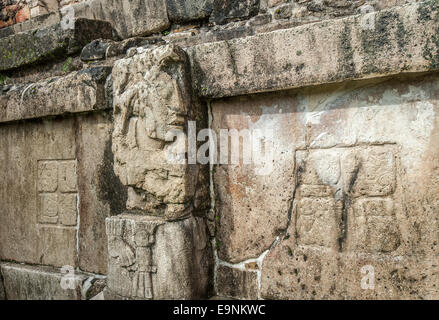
column 101, row 193
column 362, row 196
column 252, row 209
column 319, row 53
column 81, row 91
column 41, row 283
column 181, row 10
column 129, row 17
column 150, row 258
column 235, row 283
column 57, row 188
column 226, row 10
column 152, row 101
column 354, row 187
column 34, row 46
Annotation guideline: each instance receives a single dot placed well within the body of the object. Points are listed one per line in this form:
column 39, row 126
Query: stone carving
column 345, row 199
column 57, row 192
column 152, row 98
column 136, row 260
column 149, row 257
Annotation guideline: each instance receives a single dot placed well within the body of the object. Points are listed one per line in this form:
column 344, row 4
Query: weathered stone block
column 363, row 192
column 235, row 283
column 33, row 46
column 54, row 214
column 129, row 17
column 357, row 47
column 226, row 10
column 182, row 10
column 81, row 91
column 152, row 102
column 251, row 208
column 100, row 192
column 41, row 283
column 150, row 258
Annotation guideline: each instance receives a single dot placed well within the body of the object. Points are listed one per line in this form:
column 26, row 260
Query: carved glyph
column 57, row 192
column 346, row 199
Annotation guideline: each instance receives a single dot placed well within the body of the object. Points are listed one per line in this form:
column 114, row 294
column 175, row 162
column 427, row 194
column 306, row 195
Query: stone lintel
column 79, row 91
column 384, row 43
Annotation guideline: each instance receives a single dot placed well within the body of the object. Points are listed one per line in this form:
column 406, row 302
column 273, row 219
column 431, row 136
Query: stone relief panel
column 152, row 100
column 346, row 199
column 150, row 258
column 57, row 193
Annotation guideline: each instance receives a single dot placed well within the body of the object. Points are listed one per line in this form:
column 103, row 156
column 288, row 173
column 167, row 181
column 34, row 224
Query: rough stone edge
column 84, row 289
column 404, row 41
column 23, row 102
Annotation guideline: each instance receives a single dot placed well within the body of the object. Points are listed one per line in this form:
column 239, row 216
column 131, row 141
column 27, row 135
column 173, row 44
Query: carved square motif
column 370, row 171
column 47, row 176
column 48, row 208
column 359, row 179
column 67, row 209
column 57, row 187
column 67, row 176
column 373, row 227
column 316, row 222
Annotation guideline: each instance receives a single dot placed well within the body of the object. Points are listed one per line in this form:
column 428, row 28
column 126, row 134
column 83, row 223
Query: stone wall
column 101, row 196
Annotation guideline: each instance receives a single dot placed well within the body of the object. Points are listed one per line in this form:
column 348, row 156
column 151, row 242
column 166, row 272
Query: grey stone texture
column 40, row 283
column 353, row 190
column 400, row 40
column 346, row 207
column 81, row 91
column 181, row 10
column 236, row 283
column 150, row 258
column 66, row 168
column 152, row 101
column 60, row 39
column 128, row 17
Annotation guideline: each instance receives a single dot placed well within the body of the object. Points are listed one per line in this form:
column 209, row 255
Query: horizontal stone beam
column 23, row 282
column 80, row 91
column 389, row 42
column 60, row 39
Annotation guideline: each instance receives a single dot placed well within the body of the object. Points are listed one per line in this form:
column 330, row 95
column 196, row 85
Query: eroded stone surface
column 129, row 17
column 39, row 45
column 152, row 100
column 80, row 91
column 235, row 283
column 64, row 168
column 181, row 10
column 252, row 208
column 40, row 283
column 399, row 40
column 363, row 191
column 100, row 191
column 150, row 258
